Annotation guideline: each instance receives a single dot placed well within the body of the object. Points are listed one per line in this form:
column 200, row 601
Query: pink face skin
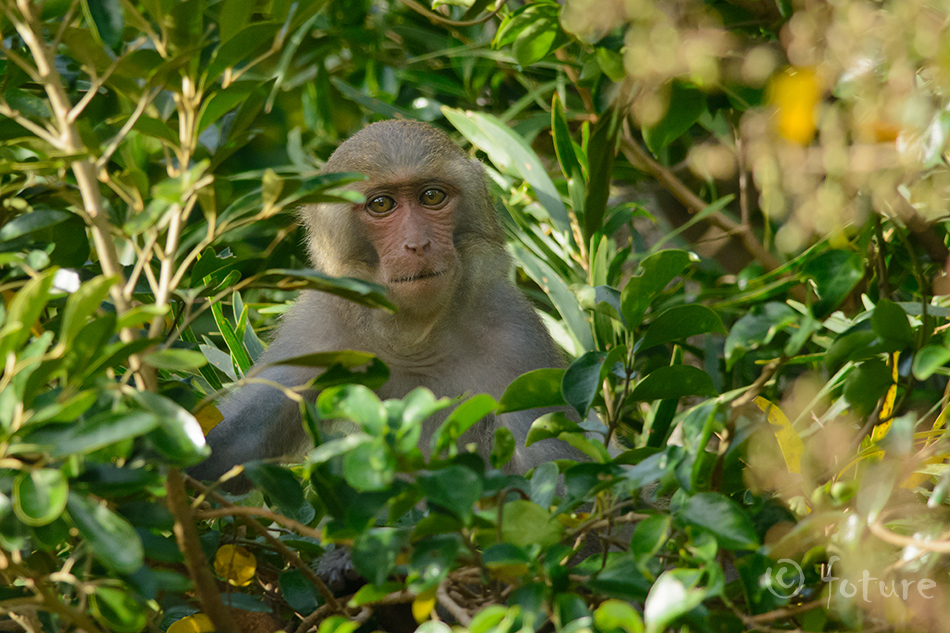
column 410, row 223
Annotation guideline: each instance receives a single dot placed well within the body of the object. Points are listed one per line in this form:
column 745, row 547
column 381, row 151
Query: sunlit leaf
column 788, row 440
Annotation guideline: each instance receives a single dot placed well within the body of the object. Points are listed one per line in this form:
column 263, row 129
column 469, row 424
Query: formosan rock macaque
column 428, row 233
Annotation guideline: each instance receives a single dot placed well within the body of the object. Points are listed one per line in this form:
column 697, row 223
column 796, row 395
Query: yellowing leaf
column 790, row 444
column 572, row 520
column 208, row 417
column 887, row 407
column 795, row 94
column 235, row 564
column 941, row 420
column 197, row 623
column 917, row 478
column 508, row 572
column 423, row 604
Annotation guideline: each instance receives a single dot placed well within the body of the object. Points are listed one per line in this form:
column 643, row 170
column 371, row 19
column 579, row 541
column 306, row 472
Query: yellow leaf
column 917, row 478
column 235, row 564
column 790, row 444
column 208, row 417
column 941, row 420
column 572, row 520
column 197, row 623
column 795, row 94
column 887, row 407
column 423, row 604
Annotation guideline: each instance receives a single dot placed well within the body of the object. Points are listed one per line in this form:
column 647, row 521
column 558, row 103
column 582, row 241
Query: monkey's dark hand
column 335, row 568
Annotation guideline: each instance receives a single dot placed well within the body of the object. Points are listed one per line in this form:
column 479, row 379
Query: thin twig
column 452, row 606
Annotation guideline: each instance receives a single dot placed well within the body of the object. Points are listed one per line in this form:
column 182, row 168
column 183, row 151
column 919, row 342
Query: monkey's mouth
column 426, row 274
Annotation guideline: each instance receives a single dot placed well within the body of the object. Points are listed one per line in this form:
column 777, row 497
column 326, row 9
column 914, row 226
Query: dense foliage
column 731, row 214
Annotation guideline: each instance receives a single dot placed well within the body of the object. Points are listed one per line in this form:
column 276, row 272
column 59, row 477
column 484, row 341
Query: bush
column 778, row 399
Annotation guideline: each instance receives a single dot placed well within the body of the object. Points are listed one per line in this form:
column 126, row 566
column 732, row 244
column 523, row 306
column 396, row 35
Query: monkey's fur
column 428, row 233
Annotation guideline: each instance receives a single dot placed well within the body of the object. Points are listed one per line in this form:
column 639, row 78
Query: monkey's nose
column 419, row 248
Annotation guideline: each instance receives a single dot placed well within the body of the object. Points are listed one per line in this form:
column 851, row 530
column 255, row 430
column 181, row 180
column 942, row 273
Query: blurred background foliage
column 730, row 213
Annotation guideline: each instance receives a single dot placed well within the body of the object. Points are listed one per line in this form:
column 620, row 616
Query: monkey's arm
column 260, row 421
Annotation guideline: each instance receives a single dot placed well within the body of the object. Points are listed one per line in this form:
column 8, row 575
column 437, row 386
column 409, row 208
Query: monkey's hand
column 335, row 568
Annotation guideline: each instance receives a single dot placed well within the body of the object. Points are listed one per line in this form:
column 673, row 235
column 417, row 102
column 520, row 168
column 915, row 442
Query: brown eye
column 380, row 205
column 432, row 197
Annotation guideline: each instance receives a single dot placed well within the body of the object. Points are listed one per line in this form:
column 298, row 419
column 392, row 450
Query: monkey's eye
column 432, row 197
column 381, row 205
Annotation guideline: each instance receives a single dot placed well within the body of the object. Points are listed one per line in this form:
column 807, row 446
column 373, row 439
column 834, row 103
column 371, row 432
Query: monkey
column 428, row 233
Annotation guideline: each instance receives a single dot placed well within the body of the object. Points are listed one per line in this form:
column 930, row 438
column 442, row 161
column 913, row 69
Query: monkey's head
column 427, row 226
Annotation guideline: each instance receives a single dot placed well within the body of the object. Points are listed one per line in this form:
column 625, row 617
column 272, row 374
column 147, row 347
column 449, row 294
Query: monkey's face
column 410, row 224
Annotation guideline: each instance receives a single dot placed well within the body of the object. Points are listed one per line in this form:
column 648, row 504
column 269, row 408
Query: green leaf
column 835, row 274
column 681, row 323
column 581, row 381
column 223, row 102
column 90, row 434
column 369, row 466
column 567, row 155
column 525, row 523
column 39, row 496
column 506, row 558
column 611, row 63
column 616, row 614
column 867, row 384
column 757, row 328
column 25, row 309
column 659, row 269
column 178, row 436
column 117, row 609
column 374, row 593
column 362, row 292
column 687, row 104
column 537, row 33
column 335, row 448
column 929, row 359
column 673, row 381
column 544, row 483
column 113, row 540
column 176, row 359
column 279, row 484
column 376, row 550
column 241, row 46
column 601, row 152
column 454, row 488
column 561, row 295
column 855, row 345
column 234, row 16
column 551, row 425
column 649, row 536
column 462, row 418
column 30, row 222
column 889, row 322
column 511, row 154
column 675, row 593
column 108, row 20
column 356, row 403
column 159, row 130
column 81, row 305
column 338, row 624
column 534, row 389
column 503, row 447
column 723, row 517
